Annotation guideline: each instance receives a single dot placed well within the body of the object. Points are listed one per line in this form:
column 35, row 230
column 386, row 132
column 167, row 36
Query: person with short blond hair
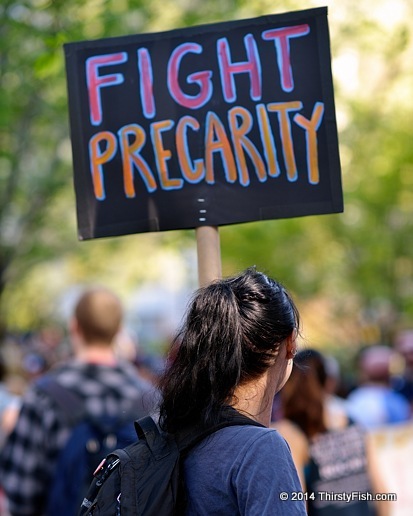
column 98, row 316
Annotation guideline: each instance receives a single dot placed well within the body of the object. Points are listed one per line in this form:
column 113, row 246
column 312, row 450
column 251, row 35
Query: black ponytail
column 231, row 335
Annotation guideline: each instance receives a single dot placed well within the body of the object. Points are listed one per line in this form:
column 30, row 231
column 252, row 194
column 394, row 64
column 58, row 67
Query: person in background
column 235, row 351
column 403, row 383
column 105, row 384
column 329, row 460
column 374, row 402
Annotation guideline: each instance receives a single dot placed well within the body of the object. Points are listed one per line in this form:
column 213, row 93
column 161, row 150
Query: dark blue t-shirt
column 242, row 470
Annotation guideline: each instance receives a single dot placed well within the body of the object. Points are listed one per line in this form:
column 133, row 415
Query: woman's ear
column 291, row 345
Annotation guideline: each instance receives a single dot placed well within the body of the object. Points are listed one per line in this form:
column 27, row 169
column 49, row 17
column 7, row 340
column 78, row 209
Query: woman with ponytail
column 233, row 354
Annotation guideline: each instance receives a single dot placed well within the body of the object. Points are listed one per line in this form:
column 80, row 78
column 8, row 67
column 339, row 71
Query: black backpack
column 91, row 439
column 144, row 478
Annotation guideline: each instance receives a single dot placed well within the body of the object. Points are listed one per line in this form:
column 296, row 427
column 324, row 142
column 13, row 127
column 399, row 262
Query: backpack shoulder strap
column 147, row 429
column 68, row 402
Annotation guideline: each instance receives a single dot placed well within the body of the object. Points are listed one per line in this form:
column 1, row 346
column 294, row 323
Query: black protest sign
column 210, row 125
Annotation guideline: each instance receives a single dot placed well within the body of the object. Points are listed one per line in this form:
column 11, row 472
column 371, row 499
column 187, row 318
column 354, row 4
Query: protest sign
column 204, row 126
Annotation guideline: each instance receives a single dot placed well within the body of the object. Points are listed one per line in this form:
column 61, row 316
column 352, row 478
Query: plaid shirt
column 28, row 458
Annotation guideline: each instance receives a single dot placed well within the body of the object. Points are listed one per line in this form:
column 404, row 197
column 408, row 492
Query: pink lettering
column 282, row 38
column 95, row 81
column 228, row 69
column 203, row 79
column 146, row 82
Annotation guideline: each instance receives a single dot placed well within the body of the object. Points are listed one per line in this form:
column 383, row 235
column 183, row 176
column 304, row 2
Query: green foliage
column 357, row 261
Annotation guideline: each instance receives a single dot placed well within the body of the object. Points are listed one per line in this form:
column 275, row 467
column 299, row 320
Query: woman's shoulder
column 250, row 433
column 245, row 441
column 241, row 436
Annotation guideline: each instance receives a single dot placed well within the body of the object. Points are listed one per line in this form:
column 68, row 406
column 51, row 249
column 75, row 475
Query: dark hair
column 302, row 397
column 231, row 335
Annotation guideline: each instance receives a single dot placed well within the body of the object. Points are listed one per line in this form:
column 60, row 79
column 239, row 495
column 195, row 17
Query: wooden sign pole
column 209, row 255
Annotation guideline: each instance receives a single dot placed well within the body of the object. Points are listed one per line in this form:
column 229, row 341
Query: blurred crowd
column 356, row 444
